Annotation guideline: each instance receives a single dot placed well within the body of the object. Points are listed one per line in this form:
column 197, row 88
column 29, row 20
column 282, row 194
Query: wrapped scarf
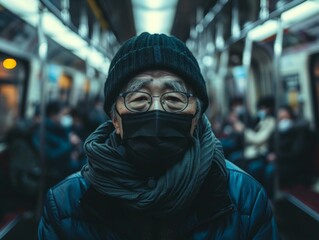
column 112, row 175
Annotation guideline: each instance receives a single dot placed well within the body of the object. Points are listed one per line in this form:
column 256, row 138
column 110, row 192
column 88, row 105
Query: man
column 156, row 171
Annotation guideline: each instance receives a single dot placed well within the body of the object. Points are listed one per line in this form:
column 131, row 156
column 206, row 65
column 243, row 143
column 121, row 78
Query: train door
column 13, row 89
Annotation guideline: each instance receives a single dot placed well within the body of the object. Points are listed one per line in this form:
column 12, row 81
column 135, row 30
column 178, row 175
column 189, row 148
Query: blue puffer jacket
column 236, row 208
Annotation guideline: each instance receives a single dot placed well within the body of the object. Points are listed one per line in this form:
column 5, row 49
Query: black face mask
column 156, row 140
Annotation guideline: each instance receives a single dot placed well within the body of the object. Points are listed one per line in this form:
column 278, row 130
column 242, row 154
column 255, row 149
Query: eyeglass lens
column 141, row 101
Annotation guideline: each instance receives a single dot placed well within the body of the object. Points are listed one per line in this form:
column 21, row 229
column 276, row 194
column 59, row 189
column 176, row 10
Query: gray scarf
column 111, row 175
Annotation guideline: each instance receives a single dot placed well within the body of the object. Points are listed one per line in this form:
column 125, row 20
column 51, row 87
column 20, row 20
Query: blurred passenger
column 156, row 171
column 59, row 142
column 78, row 132
column 294, row 153
column 95, row 115
column 78, row 127
column 66, row 118
column 257, row 138
column 232, row 140
column 24, row 166
column 19, row 172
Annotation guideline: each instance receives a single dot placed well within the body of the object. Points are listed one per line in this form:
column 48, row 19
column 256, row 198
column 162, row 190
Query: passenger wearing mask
column 156, row 171
column 232, row 140
column 66, row 119
column 257, row 139
column 294, row 151
column 59, row 142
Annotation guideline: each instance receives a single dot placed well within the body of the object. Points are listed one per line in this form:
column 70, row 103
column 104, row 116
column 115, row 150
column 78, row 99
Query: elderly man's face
column 155, row 83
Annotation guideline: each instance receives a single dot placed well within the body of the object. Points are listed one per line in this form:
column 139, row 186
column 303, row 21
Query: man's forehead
column 169, row 80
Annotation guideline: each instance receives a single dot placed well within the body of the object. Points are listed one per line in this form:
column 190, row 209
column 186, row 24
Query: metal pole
column 235, row 27
column 222, row 72
column 246, row 65
column 278, row 84
column 42, row 51
column 264, row 10
column 219, row 40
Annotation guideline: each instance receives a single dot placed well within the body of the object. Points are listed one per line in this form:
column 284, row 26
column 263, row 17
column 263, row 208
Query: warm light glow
column 9, row 63
column 87, row 86
column 65, row 82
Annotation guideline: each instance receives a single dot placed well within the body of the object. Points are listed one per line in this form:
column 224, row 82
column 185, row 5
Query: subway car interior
column 248, row 51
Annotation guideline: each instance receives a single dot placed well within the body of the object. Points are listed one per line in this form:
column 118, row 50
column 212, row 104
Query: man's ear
column 116, row 124
column 194, row 124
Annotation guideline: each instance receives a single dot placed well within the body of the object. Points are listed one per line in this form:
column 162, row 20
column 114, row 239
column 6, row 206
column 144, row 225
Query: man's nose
column 156, row 103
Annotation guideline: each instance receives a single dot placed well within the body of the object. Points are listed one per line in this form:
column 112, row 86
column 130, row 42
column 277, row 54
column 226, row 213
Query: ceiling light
column 300, row 12
column 54, row 28
column 154, row 16
column 263, row 31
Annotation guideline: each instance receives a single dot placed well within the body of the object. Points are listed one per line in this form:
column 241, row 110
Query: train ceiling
column 179, row 15
column 105, row 24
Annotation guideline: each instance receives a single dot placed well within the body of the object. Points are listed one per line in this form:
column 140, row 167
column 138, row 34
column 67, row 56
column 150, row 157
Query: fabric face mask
column 156, row 140
column 66, row 121
column 284, row 125
column 261, row 114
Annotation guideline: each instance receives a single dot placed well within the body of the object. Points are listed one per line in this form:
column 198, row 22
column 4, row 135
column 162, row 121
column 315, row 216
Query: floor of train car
column 297, row 213
column 19, row 226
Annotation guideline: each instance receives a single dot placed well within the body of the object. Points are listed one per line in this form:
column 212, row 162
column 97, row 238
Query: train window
column 13, row 77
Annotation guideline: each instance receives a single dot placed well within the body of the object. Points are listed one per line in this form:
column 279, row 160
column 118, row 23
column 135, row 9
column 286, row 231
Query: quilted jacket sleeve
column 263, row 224
column 47, row 228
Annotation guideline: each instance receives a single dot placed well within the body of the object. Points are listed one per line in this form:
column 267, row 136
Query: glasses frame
column 124, row 94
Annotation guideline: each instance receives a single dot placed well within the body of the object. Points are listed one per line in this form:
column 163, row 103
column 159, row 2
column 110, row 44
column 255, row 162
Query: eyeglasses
column 137, row 101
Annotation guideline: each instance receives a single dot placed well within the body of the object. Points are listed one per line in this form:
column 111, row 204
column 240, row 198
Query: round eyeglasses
column 137, row 101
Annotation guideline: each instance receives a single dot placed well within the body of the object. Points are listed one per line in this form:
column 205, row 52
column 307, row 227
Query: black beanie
column 153, row 52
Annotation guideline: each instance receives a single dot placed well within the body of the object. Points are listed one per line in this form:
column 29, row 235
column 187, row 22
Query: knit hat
column 153, row 52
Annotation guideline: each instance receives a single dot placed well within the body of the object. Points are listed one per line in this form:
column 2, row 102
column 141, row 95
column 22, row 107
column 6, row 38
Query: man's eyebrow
column 136, row 84
column 176, row 85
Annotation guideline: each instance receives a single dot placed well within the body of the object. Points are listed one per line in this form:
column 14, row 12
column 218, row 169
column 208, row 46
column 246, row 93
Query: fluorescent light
column 82, row 52
column 54, row 28
column 52, row 25
column 27, row 10
column 153, row 4
column 300, row 12
column 21, row 7
column 263, row 31
column 153, row 21
column 289, row 17
column 154, row 16
column 70, row 40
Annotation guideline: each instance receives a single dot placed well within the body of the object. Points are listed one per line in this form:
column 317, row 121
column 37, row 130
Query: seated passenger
column 231, row 139
column 257, row 139
column 294, row 151
column 59, row 143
